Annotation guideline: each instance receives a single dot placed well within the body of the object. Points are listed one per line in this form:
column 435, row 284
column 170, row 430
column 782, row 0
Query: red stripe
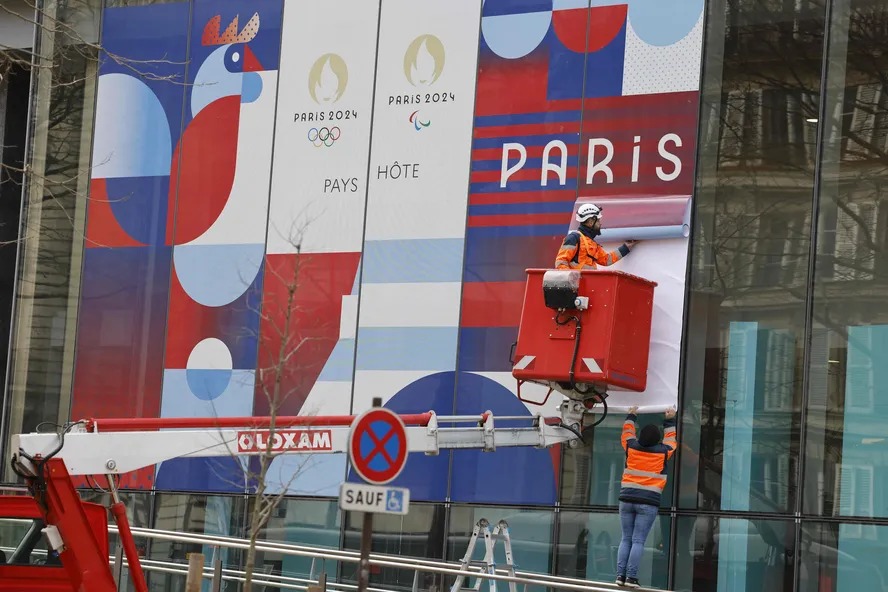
column 523, row 175
column 527, row 129
column 642, row 126
column 544, row 195
column 520, row 220
column 492, row 304
column 573, row 149
column 662, row 100
column 119, row 424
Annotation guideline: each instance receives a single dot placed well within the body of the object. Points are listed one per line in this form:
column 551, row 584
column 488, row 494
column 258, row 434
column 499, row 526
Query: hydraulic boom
column 111, row 447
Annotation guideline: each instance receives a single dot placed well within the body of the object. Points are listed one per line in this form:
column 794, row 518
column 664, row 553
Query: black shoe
column 631, row 583
column 620, row 580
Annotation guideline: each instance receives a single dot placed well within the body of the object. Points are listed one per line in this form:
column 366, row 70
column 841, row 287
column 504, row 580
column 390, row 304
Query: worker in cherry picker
column 579, row 249
column 644, row 478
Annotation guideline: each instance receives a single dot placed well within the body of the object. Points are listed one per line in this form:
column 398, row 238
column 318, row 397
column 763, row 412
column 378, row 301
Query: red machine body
column 29, row 566
column 609, row 349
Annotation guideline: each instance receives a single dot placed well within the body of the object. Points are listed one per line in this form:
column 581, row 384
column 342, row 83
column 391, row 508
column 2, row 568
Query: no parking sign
column 377, row 445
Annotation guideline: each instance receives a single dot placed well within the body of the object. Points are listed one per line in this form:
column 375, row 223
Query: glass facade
column 50, row 237
column 779, row 481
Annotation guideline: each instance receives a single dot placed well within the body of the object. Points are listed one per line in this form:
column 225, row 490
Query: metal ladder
column 500, row 533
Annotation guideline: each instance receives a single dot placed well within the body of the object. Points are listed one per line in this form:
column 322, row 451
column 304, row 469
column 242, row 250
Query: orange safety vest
column 578, row 251
column 644, row 475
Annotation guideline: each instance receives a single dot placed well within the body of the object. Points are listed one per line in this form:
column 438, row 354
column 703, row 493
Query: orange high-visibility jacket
column 579, row 251
column 644, row 476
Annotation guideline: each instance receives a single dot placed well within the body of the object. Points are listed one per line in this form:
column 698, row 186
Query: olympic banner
column 416, row 208
column 318, row 194
column 322, row 135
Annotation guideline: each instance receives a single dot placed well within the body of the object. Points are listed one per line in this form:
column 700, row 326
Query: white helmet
column 587, row 211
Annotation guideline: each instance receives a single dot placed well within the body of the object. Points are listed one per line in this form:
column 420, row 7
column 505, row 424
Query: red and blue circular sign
column 378, row 445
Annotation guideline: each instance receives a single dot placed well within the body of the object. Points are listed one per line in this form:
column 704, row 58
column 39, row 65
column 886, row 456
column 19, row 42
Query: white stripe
column 592, row 365
column 638, row 473
column 410, row 305
column 524, row 362
column 348, row 318
column 631, row 485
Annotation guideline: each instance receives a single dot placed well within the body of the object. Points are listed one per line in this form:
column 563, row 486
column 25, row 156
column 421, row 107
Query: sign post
column 377, row 448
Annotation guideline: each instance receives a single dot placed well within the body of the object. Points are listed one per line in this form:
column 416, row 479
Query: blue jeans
column 637, row 521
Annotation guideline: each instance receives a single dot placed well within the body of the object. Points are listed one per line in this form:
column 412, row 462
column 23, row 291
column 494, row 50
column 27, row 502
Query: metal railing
column 216, row 573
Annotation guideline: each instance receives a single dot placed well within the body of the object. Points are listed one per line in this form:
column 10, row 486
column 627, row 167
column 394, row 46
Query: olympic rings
column 324, row 136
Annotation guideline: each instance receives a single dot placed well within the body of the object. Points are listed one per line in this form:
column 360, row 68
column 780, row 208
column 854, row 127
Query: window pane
column 138, row 512
column 530, row 532
column 53, row 220
column 592, row 472
column 749, row 280
column 301, row 522
column 733, row 554
column 418, row 534
column 846, row 470
column 22, row 542
column 588, row 544
column 202, row 514
column 843, row 558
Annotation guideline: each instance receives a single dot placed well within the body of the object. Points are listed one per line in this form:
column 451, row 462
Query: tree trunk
column 250, row 562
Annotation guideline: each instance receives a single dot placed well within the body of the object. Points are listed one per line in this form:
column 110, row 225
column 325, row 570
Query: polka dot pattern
column 211, row 31
column 651, row 69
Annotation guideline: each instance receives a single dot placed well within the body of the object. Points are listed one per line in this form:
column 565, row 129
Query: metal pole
column 366, row 538
column 364, row 565
column 118, row 564
column 217, row 569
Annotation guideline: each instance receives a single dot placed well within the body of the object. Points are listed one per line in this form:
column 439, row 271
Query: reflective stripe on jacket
column 579, row 251
column 644, row 475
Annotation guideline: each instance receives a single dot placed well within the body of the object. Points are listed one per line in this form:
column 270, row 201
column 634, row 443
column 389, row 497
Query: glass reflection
column 201, row 514
column 592, row 473
column 529, row 530
column 418, row 534
column 843, row 557
column 313, row 523
column 847, row 449
column 746, row 329
column 587, row 548
column 733, row 554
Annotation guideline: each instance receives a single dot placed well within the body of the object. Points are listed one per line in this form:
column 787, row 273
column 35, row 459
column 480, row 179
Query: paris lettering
column 422, row 99
column 325, row 116
column 599, row 155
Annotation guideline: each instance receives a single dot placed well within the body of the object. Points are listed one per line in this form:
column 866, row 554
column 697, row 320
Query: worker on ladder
column 579, row 249
column 644, row 478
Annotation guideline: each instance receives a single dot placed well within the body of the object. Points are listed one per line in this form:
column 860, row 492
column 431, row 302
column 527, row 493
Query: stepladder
column 482, row 530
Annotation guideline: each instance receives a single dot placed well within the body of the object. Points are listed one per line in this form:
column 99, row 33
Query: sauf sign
column 285, row 440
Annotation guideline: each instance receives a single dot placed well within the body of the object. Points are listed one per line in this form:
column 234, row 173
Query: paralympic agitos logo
column 327, row 83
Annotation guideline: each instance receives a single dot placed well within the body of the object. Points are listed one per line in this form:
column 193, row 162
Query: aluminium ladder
column 500, row 533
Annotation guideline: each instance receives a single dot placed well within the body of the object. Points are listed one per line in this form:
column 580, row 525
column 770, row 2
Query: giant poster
column 318, row 192
column 581, row 103
column 127, row 257
column 216, row 225
column 316, row 223
column 416, row 209
column 577, row 102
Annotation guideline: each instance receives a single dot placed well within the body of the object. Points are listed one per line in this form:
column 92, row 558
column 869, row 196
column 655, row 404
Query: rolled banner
column 641, row 218
column 641, row 233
